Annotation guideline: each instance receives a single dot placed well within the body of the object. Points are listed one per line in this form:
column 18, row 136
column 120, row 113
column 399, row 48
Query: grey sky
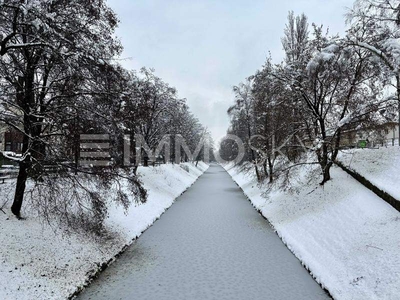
column 203, row 48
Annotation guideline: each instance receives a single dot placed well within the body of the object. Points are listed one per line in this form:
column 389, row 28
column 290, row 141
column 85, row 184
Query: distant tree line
column 60, row 78
column 325, row 86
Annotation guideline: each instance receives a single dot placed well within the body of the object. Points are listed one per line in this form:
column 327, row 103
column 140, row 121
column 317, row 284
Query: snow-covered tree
column 242, row 113
column 324, row 86
column 57, row 76
column 375, row 26
column 338, row 86
column 295, row 39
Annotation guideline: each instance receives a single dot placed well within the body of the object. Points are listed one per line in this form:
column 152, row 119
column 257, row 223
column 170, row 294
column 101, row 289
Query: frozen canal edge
column 211, row 244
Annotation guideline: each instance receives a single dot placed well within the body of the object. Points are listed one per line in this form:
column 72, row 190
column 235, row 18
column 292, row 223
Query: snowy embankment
column 40, row 262
column 380, row 166
column 343, row 233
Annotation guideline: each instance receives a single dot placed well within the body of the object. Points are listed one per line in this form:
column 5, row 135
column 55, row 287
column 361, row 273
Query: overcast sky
column 203, row 48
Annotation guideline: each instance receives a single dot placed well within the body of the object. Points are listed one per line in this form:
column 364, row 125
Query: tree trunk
column 257, row 172
column 326, row 164
column 326, row 174
column 322, row 153
column 25, row 96
column 270, row 170
column 265, row 169
column 20, row 190
column 76, row 142
column 398, row 103
column 22, row 177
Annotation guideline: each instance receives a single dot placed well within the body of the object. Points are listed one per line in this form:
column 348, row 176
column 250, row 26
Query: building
column 384, row 135
column 13, row 140
column 10, row 139
column 2, row 131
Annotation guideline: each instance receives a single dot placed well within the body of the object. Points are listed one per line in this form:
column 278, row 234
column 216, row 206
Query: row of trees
column 325, row 86
column 60, row 78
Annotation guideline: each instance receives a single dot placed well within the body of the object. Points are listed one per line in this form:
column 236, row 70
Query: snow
column 380, row 166
column 320, row 57
column 393, row 47
column 211, row 244
column 369, row 47
column 165, row 183
column 40, row 262
column 344, row 234
column 345, row 120
column 351, row 116
column 312, row 65
column 378, row 53
column 326, row 56
column 332, row 48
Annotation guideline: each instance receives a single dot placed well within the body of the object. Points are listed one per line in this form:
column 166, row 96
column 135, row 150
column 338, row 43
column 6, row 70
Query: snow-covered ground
column 380, row 166
column 344, row 234
column 39, row 262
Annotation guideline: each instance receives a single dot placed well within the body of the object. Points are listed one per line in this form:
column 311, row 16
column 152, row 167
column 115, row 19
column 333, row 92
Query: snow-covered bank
column 344, row 234
column 38, row 262
column 380, row 166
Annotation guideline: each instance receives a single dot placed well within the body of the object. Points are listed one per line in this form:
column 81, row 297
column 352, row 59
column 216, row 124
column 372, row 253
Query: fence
column 11, row 171
column 384, row 143
column 8, row 172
